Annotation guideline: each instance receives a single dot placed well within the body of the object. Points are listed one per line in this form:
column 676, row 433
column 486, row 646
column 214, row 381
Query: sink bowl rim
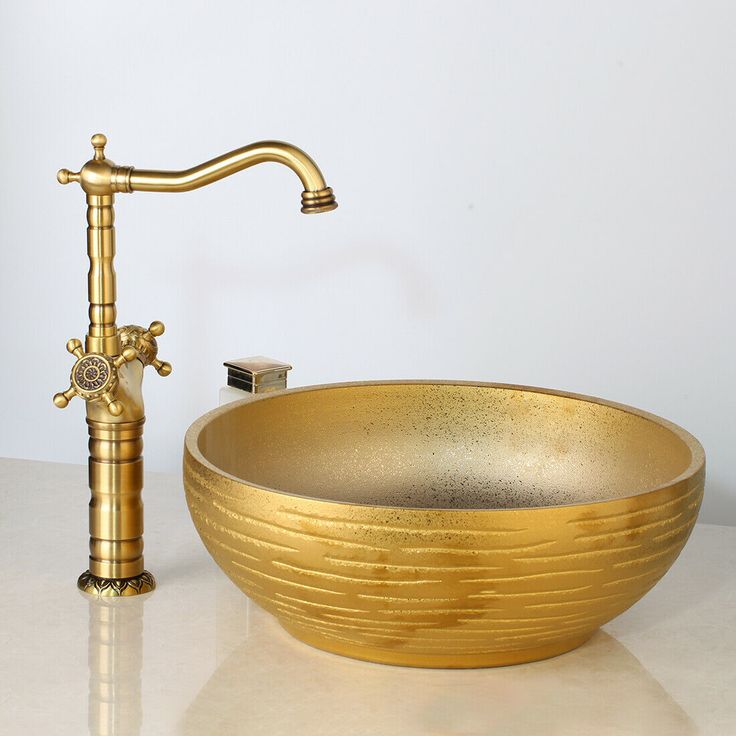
column 191, row 441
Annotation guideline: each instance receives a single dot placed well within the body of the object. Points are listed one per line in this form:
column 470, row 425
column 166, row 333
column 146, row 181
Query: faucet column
column 116, row 471
column 115, row 441
column 108, row 374
column 102, row 336
column 116, row 507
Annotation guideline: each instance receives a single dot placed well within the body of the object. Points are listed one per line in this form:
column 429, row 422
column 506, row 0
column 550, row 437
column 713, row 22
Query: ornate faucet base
column 116, row 587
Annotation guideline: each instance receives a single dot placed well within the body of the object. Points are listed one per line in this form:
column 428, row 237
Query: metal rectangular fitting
column 257, row 374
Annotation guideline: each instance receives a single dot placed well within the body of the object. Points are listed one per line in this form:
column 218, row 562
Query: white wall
column 538, row 193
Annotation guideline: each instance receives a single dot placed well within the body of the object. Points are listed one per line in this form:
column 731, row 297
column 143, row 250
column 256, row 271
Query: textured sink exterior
column 441, row 587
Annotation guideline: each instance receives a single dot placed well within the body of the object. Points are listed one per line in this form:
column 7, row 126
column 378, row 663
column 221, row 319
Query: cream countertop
column 196, row 657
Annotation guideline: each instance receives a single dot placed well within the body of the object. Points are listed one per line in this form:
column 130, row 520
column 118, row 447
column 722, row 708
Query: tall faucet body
column 108, row 372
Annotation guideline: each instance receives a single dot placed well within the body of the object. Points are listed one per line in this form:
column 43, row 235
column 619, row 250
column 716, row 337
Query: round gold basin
column 441, row 524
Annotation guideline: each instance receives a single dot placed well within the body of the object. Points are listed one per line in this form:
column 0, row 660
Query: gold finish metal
column 257, row 375
column 116, row 587
column 108, row 371
column 94, row 376
column 144, row 343
column 100, row 177
column 441, row 524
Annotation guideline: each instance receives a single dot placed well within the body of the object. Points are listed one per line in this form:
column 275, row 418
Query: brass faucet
column 108, row 372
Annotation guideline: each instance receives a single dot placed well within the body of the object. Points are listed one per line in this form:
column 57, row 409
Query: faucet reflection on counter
column 115, row 655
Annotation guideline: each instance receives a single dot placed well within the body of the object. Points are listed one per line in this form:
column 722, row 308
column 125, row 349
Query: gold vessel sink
column 441, row 524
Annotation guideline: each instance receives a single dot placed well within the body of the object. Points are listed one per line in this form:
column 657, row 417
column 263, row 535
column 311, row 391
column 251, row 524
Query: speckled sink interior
column 454, row 446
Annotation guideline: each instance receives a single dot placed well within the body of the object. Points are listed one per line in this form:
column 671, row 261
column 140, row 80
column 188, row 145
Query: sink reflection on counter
column 264, row 682
column 270, row 684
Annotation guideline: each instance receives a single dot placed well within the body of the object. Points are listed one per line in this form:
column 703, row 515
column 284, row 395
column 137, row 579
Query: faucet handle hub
column 94, row 376
column 144, row 341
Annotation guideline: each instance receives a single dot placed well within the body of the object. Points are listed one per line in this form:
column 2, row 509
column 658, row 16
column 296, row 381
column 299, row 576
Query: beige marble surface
column 196, row 657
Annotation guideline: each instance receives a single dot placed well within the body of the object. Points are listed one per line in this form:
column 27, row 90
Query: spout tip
column 322, row 200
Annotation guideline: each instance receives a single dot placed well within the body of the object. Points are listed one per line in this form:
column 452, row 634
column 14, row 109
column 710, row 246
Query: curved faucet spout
column 100, row 176
column 317, row 196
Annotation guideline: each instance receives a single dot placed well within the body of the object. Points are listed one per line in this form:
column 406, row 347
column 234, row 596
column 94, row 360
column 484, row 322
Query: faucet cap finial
column 99, row 141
